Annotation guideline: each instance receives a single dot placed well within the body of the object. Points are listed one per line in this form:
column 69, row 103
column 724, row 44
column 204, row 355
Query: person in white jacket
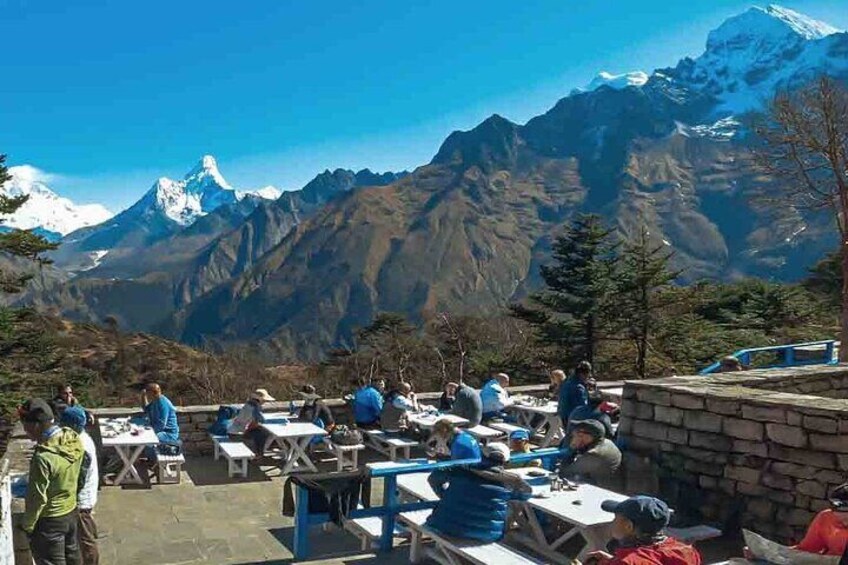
column 495, row 397
column 74, row 418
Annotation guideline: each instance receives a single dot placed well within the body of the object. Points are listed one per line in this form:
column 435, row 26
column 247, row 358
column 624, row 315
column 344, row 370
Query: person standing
column 574, row 392
column 74, row 418
column 50, row 519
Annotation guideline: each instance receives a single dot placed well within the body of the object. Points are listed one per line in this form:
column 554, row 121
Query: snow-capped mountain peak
column 765, row 26
column 45, row 210
column 751, row 56
column 202, row 190
column 633, row 78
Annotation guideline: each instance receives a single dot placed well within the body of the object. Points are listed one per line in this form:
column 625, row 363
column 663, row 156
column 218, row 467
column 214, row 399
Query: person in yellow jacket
column 50, row 519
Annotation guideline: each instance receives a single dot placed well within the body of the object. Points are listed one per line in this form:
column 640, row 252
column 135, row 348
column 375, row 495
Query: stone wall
column 737, row 450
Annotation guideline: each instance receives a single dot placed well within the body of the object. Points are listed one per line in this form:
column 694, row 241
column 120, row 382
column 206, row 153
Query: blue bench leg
column 301, row 524
column 390, row 505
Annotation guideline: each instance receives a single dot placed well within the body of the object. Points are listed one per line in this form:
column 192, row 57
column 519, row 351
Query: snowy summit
column 633, row 78
column 45, row 210
column 201, row 191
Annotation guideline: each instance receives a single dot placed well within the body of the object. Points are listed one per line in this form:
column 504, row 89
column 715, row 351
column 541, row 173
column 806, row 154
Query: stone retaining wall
column 738, row 450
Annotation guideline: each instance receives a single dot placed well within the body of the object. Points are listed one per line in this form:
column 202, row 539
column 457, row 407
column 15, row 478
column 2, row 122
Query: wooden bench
column 169, row 468
column 345, row 453
column 485, row 434
column 379, row 441
column 447, row 549
column 237, row 454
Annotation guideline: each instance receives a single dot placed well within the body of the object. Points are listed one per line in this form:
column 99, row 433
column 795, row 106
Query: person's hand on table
column 598, row 558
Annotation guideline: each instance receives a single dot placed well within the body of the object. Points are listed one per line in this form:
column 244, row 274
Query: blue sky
column 110, row 95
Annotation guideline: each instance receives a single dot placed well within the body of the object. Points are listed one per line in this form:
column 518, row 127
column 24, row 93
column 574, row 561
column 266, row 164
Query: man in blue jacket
column 474, row 503
column 574, row 392
column 367, row 406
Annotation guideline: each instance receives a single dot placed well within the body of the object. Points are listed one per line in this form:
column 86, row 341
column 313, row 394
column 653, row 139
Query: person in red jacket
column 638, row 537
column 828, row 532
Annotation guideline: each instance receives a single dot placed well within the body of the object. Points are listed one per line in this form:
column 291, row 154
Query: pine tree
column 643, row 280
column 17, row 243
column 571, row 313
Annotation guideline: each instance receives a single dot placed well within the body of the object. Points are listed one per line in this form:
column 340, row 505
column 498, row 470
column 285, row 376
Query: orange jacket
column 827, row 535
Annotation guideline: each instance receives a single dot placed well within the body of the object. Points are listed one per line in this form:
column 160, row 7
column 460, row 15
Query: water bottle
column 291, row 406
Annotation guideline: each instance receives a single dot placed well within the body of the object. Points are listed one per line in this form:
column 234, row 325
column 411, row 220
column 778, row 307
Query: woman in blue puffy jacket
column 473, row 503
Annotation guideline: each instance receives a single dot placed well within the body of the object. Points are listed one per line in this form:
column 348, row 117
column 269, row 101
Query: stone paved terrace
column 210, row 518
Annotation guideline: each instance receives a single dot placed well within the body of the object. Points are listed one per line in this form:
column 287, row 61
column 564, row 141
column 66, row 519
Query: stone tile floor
column 210, row 518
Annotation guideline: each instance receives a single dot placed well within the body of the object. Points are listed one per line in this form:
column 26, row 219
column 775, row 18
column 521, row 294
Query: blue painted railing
column 785, row 352
column 390, row 507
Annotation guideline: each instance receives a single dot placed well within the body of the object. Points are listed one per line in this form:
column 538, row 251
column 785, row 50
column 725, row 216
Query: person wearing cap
column 828, row 532
column 574, row 392
column 314, row 410
column 367, row 405
column 468, row 405
column 474, row 503
column 247, row 421
column 161, row 414
column 592, row 457
column 50, row 518
column 495, row 397
column 638, row 537
column 398, row 403
column 75, row 418
column 591, row 411
column 519, row 442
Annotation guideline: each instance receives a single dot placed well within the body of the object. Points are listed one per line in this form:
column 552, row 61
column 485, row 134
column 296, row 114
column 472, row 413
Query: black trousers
column 54, row 541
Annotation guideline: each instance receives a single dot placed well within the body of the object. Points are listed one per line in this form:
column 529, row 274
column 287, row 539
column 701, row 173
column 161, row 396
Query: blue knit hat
column 74, row 417
column 520, row 435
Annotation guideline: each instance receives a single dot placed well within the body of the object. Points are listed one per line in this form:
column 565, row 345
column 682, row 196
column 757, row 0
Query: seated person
column 468, row 405
column 314, row 410
column 450, row 442
column 638, row 538
column 591, row 411
column 397, row 405
column 367, row 405
column 160, row 414
column 592, row 458
column 249, row 418
column 474, row 503
column 556, row 377
column 495, row 398
column 448, row 397
column 828, row 532
column 519, row 442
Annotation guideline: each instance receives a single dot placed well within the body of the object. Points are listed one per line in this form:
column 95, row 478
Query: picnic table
column 293, row 439
column 426, row 420
column 415, row 485
column 128, row 444
column 581, row 508
column 526, row 414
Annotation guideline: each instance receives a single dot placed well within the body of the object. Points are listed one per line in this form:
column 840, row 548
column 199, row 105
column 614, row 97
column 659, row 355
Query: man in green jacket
column 50, row 518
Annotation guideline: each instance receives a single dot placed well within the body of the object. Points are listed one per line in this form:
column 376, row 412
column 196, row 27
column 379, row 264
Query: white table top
column 275, row 417
column 586, row 514
column 428, row 420
column 416, row 485
column 146, row 436
column 527, row 473
column 549, row 409
column 294, row 429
